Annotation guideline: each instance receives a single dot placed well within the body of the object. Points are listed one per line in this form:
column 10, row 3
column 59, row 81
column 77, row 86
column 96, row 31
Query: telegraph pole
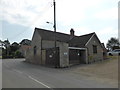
column 54, row 3
column 56, row 61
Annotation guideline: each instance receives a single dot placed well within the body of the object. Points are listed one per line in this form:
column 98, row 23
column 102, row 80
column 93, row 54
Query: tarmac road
column 18, row 74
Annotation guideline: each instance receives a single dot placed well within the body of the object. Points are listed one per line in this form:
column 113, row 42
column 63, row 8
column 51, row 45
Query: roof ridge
column 87, row 34
column 62, row 32
column 50, row 31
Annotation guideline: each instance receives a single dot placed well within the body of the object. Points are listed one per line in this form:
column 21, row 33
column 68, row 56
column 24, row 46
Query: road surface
column 19, row 74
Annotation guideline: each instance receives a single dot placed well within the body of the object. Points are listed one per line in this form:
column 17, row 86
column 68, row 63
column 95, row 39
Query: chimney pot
column 72, row 32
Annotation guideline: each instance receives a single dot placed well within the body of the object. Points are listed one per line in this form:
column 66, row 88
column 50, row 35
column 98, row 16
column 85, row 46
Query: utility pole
column 54, row 3
column 54, row 26
column 56, row 61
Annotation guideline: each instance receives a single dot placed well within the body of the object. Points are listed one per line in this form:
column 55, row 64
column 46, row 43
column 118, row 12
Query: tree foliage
column 6, row 43
column 14, row 46
column 12, row 50
column 113, row 43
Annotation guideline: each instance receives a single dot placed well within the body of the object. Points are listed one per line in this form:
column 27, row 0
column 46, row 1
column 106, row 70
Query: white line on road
column 33, row 79
column 39, row 82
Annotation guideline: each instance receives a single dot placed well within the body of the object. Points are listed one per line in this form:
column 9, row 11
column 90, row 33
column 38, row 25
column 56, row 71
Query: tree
column 13, row 48
column 1, row 46
column 6, row 44
column 1, row 43
column 18, row 54
column 10, row 50
column 113, row 43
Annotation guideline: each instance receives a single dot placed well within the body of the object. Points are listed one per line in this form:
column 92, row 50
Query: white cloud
column 106, row 33
column 30, row 12
column 71, row 11
column 23, row 12
column 108, row 30
column 107, row 14
column 34, row 13
column 82, row 31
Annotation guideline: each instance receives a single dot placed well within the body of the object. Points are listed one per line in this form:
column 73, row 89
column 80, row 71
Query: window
column 94, row 49
column 35, row 50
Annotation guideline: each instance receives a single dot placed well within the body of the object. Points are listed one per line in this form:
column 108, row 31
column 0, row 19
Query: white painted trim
column 89, row 39
column 77, row 48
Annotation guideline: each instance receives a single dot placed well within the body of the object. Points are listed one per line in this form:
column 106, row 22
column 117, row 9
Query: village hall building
column 69, row 50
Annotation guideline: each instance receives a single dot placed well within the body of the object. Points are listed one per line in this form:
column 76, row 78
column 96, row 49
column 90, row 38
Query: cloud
column 111, row 14
column 23, row 12
column 82, row 31
column 108, row 30
column 72, row 11
column 106, row 33
column 36, row 12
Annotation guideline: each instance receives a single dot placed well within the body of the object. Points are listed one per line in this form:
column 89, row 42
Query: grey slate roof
column 76, row 41
column 80, row 41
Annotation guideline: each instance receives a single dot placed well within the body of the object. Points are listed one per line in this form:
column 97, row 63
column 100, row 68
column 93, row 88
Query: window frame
column 95, row 49
column 35, row 50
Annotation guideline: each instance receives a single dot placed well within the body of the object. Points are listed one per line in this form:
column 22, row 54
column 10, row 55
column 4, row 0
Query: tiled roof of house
column 80, row 41
column 49, row 35
column 77, row 41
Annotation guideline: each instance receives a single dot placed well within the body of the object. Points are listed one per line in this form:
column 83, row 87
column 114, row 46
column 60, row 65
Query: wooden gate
column 52, row 57
column 74, row 57
column 77, row 56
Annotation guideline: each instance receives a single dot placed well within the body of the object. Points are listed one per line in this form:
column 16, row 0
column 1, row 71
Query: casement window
column 35, row 50
column 95, row 49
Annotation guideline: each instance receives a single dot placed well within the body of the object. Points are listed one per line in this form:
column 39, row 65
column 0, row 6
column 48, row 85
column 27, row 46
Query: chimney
column 72, row 32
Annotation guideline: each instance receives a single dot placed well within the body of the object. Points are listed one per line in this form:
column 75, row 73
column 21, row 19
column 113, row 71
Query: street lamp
column 50, row 23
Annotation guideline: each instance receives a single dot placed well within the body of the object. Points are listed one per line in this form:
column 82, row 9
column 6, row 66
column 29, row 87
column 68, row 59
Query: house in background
column 70, row 49
column 25, row 45
column 23, row 49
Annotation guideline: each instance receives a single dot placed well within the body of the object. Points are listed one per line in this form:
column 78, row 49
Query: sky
column 18, row 18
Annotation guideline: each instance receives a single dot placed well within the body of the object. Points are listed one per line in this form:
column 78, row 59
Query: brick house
column 70, row 49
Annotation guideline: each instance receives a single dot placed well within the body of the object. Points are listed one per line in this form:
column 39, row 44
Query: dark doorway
column 77, row 56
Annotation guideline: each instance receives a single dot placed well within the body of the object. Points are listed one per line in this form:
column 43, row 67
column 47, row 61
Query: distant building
column 24, row 48
column 70, row 49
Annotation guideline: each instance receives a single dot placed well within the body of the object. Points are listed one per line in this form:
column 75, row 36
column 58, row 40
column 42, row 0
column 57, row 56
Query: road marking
column 33, row 79
column 39, row 82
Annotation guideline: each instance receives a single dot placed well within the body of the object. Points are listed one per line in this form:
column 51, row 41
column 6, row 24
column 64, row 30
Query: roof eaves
column 90, row 39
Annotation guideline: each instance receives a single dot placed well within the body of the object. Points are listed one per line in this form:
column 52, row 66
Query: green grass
column 113, row 57
column 0, row 57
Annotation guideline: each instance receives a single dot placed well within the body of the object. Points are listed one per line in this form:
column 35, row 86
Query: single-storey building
column 70, row 49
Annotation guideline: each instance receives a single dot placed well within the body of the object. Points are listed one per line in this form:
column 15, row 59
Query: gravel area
column 103, row 71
